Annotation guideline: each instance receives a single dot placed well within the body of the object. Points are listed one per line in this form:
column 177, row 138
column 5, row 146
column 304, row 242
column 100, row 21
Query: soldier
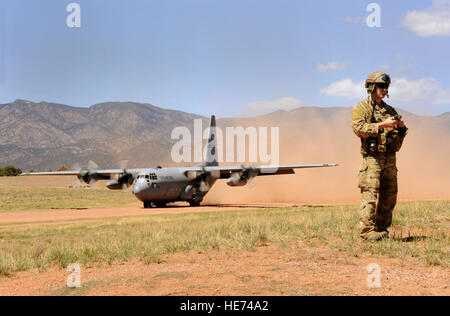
column 382, row 131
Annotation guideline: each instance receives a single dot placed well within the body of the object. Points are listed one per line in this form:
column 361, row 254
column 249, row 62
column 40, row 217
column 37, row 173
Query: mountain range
column 44, row 136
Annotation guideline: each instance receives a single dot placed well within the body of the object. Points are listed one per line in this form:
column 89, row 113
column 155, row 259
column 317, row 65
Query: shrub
column 10, row 171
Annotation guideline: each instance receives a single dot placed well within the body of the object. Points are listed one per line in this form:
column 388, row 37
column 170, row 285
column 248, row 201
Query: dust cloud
column 309, row 136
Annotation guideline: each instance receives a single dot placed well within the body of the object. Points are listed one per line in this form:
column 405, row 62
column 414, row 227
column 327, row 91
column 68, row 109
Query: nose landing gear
column 154, row 204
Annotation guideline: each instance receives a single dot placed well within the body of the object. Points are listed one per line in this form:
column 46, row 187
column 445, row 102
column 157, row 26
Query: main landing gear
column 196, row 200
column 154, row 204
column 194, row 203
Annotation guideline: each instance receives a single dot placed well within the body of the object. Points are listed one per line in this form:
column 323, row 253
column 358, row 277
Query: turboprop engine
column 123, row 180
column 236, row 180
column 88, row 175
column 122, row 183
column 239, row 179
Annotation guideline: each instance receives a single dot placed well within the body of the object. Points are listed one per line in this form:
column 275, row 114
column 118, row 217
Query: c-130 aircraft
column 156, row 187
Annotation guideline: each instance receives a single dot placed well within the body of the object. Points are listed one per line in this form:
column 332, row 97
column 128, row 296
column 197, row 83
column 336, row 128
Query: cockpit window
column 151, row 176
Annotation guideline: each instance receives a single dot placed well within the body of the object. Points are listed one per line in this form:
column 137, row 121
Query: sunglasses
column 383, row 85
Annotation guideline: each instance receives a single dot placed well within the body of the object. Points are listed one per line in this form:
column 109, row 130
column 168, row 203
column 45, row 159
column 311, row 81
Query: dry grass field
column 53, row 192
column 300, row 250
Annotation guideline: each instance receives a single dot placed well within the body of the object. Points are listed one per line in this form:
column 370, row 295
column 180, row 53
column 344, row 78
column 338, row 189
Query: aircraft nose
column 138, row 189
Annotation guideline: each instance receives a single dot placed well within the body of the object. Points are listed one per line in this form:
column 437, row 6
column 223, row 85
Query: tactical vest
column 388, row 141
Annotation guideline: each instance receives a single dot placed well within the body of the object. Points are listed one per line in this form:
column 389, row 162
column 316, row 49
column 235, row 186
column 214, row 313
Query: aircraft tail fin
column 211, row 147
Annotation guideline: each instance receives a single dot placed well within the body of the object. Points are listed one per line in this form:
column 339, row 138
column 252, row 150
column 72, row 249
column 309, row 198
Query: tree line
column 9, row 171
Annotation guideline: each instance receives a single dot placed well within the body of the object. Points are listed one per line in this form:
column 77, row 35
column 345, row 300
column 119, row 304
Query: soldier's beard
column 378, row 97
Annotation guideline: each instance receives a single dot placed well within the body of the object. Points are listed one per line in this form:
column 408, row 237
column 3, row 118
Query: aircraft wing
column 103, row 174
column 224, row 171
column 265, row 170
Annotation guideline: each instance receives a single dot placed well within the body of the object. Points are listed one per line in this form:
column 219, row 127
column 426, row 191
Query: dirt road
column 61, row 216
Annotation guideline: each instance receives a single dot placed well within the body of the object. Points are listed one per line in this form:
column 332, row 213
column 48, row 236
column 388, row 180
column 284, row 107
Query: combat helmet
column 374, row 78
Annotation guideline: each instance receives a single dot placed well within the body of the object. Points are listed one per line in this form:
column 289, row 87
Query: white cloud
column 433, row 21
column 425, row 89
column 345, row 88
column 331, row 66
column 264, row 107
column 421, row 90
column 408, row 90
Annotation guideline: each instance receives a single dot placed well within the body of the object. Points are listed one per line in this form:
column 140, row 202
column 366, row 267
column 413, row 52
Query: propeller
column 121, row 180
column 123, row 164
column 78, row 183
column 204, row 178
column 192, row 175
column 251, row 183
column 204, row 186
column 126, row 179
column 92, row 165
column 249, row 173
column 87, row 175
column 92, row 178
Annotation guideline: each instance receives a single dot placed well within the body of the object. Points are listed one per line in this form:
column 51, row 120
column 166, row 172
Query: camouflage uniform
column 377, row 176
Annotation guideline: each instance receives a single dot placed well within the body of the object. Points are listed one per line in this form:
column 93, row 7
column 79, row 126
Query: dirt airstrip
column 62, row 216
column 296, row 269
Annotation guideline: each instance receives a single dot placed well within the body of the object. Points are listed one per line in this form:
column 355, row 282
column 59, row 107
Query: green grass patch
column 148, row 237
column 19, row 199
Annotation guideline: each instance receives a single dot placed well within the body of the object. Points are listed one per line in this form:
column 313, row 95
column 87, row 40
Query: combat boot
column 377, row 235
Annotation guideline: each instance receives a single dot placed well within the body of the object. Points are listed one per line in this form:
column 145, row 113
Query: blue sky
column 228, row 57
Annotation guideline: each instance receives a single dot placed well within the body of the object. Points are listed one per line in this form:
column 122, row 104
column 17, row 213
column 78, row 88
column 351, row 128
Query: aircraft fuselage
column 167, row 185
